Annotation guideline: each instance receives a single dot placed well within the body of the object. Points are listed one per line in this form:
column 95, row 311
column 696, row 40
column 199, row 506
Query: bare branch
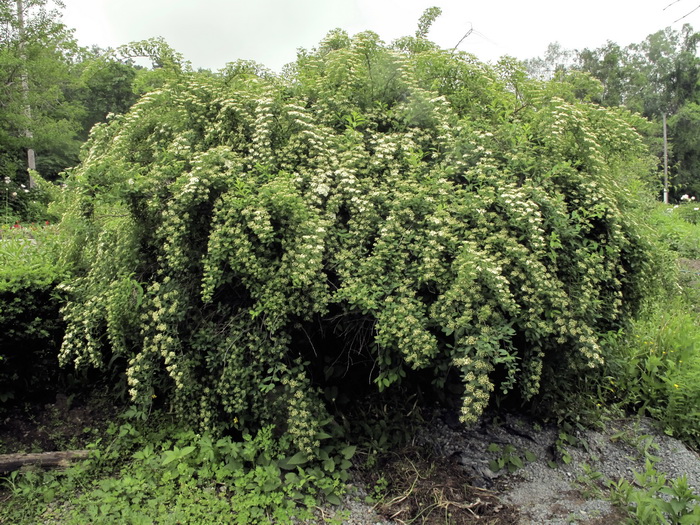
column 471, row 30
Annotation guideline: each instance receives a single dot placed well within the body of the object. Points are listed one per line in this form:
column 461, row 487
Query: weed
column 656, row 501
column 655, row 370
column 508, row 458
column 592, row 481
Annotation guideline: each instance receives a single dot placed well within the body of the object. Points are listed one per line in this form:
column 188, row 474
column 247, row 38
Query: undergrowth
column 677, row 228
column 30, row 325
column 653, row 367
column 156, row 473
column 652, row 499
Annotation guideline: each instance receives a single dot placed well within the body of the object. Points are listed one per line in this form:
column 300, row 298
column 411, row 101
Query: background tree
column 42, row 51
column 555, row 59
column 107, row 85
column 654, row 77
column 69, row 89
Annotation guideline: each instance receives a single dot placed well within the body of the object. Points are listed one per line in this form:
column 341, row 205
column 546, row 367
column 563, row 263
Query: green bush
column 677, row 228
column 22, row 203
column 244, row 241
column 30, row 326
column 655, row 368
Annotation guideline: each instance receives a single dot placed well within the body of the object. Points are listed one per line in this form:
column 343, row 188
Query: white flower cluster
column 465, row 222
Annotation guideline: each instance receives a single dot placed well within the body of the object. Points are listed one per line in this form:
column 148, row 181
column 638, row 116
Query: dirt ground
column 65, row 423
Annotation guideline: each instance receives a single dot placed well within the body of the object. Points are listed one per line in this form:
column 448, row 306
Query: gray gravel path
column 546, row 495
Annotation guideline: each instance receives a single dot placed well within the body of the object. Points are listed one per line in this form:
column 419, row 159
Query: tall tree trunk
column 665, row 160
column 31, row 162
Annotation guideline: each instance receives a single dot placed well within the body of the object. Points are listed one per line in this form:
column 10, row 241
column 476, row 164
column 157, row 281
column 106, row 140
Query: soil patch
column 66, row 423
column 425, row 489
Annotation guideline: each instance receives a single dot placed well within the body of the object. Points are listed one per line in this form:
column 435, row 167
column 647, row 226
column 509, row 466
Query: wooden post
column 31, row 160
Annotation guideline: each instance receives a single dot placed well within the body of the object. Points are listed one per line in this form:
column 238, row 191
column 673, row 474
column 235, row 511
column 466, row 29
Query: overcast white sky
column 210, row 33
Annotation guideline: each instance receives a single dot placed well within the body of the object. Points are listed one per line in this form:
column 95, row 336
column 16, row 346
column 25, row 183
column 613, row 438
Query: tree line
column 655, row 78
column 53, row 91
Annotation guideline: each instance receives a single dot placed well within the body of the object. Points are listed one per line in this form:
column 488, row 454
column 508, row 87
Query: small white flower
column 322, row 189
column 22, row 185
column 14, row 194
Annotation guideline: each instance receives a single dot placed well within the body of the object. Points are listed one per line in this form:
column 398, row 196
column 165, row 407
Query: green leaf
column 49, row 495
column 294, row 461
column 348, row 452
column 169, row 456
column 333, row 499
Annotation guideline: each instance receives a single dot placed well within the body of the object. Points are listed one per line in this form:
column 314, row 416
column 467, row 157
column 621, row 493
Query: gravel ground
column 538, row 494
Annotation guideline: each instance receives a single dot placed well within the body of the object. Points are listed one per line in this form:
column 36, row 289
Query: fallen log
column 61, row 459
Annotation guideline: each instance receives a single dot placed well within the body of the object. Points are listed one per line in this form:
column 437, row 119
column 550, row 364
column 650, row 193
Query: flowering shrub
column 235, row 238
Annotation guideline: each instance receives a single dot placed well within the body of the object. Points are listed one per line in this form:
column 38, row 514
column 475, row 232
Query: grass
column 677, row 227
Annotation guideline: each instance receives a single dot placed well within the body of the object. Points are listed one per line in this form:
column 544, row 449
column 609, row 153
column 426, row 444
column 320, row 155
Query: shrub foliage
column 238, row 241
column 30, row 325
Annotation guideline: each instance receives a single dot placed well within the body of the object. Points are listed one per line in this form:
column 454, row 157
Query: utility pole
column 31, row 161
column 665, row 161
